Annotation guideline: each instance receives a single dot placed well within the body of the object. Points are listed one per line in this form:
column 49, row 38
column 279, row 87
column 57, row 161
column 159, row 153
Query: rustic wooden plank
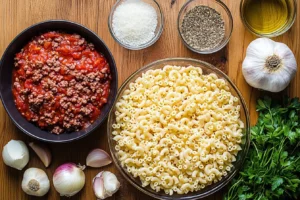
column 17, row 15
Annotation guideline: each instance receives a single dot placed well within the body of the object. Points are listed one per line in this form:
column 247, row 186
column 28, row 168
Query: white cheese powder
column 134, row 22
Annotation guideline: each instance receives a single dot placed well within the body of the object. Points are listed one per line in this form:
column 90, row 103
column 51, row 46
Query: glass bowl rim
column 270, row 35
column 146, row 45
column 219, row 47
column 189, row 196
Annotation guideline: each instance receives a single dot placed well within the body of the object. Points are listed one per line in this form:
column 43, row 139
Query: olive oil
column 267, row 16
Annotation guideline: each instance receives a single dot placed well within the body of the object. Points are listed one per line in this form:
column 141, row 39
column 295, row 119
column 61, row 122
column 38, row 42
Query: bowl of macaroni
column 179, row 129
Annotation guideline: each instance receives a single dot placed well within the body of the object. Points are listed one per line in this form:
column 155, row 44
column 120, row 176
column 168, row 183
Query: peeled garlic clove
column 105, row 184
column 98, row 158
column 42, row 151
column 35, row 182
column 15, row 154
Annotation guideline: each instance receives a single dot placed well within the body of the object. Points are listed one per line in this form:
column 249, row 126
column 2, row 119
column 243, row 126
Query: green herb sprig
column 272, row 166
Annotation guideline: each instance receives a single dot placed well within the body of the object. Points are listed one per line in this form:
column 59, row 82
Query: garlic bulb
column 35, row 182
column 269, row 65
column 105, row 184
column 15, row 154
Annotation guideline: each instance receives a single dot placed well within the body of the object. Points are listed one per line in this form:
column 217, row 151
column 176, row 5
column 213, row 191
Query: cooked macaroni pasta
column 177, row 129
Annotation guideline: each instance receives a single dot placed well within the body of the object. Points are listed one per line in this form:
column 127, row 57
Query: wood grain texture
column 16, row 15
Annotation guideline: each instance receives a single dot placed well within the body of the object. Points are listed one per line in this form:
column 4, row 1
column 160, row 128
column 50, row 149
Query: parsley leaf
column 277, row 181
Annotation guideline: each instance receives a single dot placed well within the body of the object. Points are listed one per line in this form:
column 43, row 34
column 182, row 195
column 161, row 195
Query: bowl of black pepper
column 205, row 26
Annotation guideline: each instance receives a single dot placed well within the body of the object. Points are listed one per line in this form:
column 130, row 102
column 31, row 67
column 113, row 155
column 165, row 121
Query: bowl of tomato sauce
column 58, row 81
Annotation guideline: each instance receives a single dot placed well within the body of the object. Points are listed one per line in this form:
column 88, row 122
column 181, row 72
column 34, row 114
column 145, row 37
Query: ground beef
column 60, row 82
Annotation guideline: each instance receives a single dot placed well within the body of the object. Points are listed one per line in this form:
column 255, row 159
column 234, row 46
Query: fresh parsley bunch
column 272, row 166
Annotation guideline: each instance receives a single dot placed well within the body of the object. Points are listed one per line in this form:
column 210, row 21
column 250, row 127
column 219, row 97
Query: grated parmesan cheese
column 134, row 22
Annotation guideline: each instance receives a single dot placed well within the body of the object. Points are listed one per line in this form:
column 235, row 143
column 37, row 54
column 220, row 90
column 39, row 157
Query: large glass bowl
column 221, row 8
column 207, row 69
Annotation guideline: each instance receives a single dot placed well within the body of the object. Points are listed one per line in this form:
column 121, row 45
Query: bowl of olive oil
column 268, row 18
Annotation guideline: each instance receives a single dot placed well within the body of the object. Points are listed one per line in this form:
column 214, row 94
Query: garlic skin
column 269, row 65
column 69, row 179
column 35, row 182
column 105, row 184
column 98, row 158
column 15, row 154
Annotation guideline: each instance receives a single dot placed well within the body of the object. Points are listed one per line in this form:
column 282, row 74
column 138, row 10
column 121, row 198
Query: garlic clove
column 111, row 183
column 105, row 184
column 42, row 151
column 15, row 154
column 98, row 158
column 35, row 182
column 98, row 187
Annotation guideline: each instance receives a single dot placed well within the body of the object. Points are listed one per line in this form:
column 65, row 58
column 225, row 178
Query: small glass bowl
column 207, row 69
column 158, row 30
column 292, row 4
column 221, row 8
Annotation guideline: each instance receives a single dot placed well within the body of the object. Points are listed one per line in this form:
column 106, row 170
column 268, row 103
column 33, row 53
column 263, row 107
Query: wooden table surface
column 16, row 15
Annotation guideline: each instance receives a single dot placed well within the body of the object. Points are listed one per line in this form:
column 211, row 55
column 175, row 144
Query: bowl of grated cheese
column 136, row 24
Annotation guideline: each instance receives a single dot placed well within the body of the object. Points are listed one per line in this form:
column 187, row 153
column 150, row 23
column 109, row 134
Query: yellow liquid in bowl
column 266, row 16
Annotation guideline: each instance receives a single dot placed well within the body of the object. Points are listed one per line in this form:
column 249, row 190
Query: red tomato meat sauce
column 60, row 82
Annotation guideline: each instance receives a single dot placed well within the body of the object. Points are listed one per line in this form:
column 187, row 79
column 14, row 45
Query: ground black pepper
column 203, row 28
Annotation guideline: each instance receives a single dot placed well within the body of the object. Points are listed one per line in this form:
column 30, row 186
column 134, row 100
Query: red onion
column 69, row 179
